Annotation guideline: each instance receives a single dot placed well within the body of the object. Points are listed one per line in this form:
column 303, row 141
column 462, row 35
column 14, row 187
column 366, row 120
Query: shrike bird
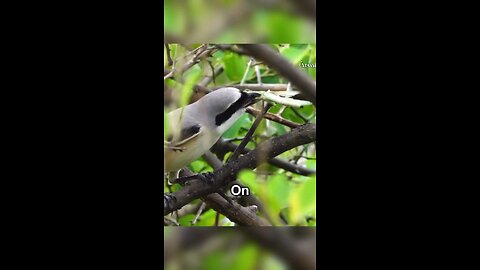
column 195, row 128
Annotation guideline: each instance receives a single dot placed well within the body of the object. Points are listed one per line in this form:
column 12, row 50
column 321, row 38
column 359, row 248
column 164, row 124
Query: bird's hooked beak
column 252, row 98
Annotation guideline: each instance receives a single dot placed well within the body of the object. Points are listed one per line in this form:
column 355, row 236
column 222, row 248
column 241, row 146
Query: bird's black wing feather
column 186, row 134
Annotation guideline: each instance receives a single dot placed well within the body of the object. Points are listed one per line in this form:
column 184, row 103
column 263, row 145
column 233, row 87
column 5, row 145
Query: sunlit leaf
column 207, row 218
column 248, row 178
column 278, row 189
column 232, row 132
column 197, row 165
column 303, row 201
column 186, row 220
column 192, row 76
column 235, row 66
column 295, row 53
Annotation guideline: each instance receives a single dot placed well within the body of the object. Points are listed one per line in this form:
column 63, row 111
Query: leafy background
column 227, row 21
column 230, row 249
column 285, row 195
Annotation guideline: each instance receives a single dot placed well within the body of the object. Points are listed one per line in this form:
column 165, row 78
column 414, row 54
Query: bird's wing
column 189, row 127
column 186, row 134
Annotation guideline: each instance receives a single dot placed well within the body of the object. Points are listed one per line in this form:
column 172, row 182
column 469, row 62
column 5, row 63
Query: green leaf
column 193, row 75
column 207, row 218
column 233, row 131
column 197, row 166
column 176, row 187
column 281, row 129
column 275, row 108
column 306, row 111
column 290, row 115
column 235, row 66
column 311, row 164
column 295, row 53
column 171, row 83
column 278, row 189
column 303, row 201
column 186, row 220
column 248, row 178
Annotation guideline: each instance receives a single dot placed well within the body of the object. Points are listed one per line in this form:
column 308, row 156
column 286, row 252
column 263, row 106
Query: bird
column 195, row 128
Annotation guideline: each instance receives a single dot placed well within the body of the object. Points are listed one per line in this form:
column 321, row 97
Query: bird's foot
column 168, row 202
column 206, row 178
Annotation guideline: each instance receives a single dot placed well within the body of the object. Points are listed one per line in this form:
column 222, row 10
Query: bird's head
column 226, row 105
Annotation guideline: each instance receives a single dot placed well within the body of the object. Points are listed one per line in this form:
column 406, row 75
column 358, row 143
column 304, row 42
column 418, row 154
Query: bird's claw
column 206, row 178
column 168, row 201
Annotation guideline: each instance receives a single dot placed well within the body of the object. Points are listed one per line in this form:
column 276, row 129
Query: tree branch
column 235, row 212
column 250, row 132
column 265, row 151
column 198, row 53
column 295, row 246
column 300, row 79
column 274, row 118
column 281, row 242
column 250, row 199
column 283, row 164
column 257, row 87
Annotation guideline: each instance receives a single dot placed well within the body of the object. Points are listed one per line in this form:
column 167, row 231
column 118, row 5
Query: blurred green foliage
column 221, row 248
column 236, row 21
column 286, row 196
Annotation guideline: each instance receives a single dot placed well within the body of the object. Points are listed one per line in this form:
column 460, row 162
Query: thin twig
column 299, row 156
column 199, row 212
column 217, row 217
column 264, row 53
column 259, row 76
column 170, row 221
column 250, row 132
column 208, row 79
column 166, row 71
column 274, row 118
column 257, row 87
column 194, row 60
column 249, row 64
column 169, row 75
